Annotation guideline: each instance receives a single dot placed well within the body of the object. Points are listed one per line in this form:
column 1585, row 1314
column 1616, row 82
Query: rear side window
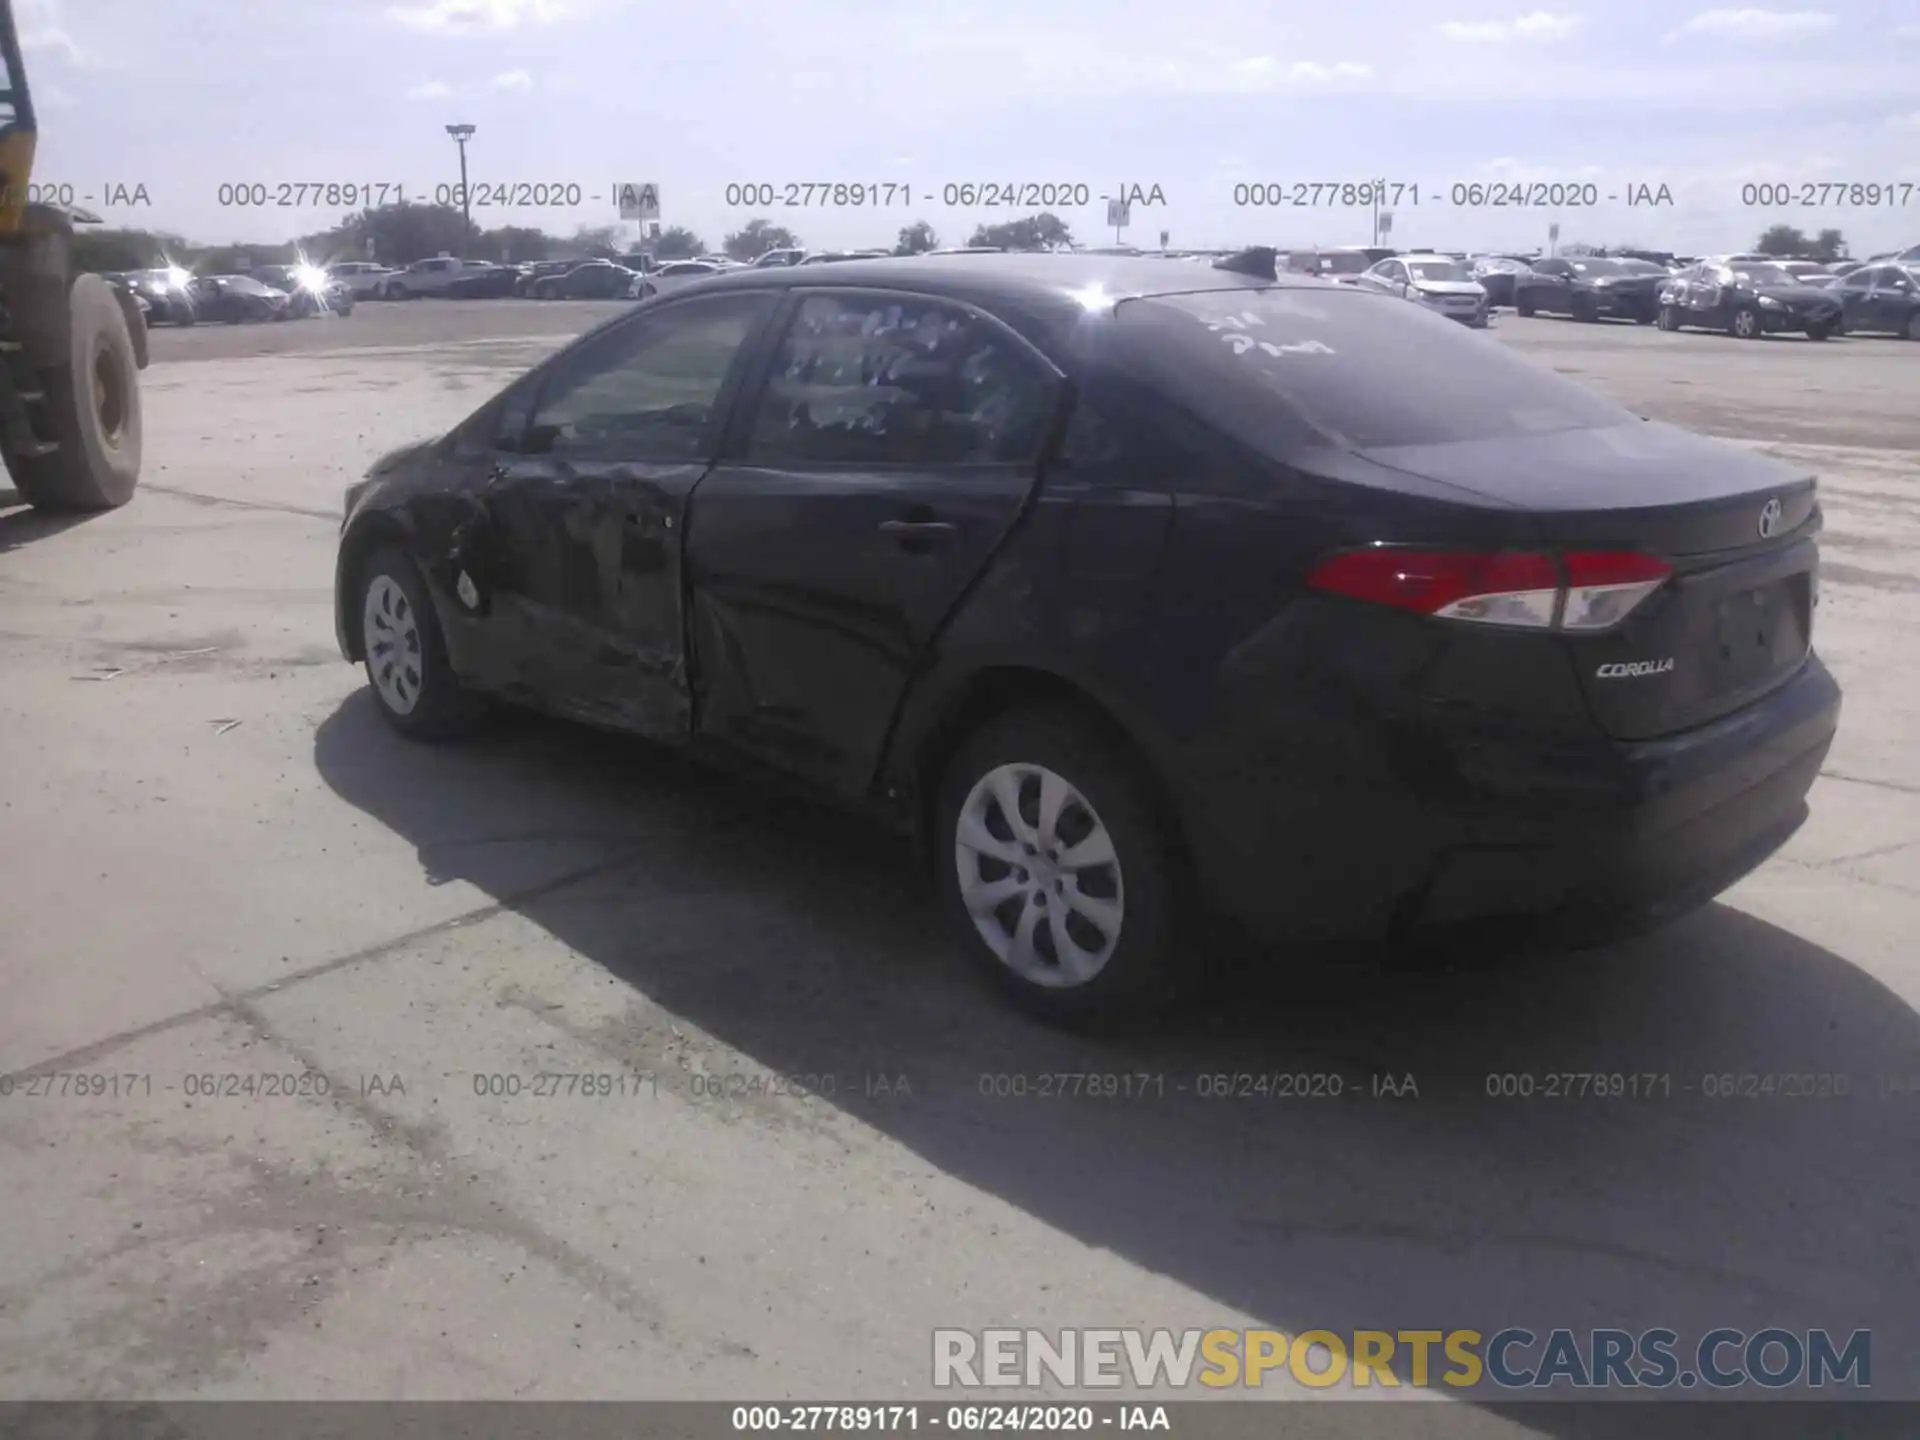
column 884, row 380
column 1357, row 370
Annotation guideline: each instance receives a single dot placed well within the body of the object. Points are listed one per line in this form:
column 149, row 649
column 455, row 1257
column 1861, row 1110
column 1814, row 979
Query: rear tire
column 1822, row 332
column 1115, row 915
column 1522, row 306
column 413, row 683
column 1669, row 318
column 1913, row 326
column 94, row 406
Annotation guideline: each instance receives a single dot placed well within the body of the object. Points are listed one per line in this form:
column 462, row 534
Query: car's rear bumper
column 1800, row 319
column 1630, row 306
column 1581, row 837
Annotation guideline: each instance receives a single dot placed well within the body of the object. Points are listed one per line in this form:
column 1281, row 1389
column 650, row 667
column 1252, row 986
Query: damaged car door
column 574, row 552
column 889, row 449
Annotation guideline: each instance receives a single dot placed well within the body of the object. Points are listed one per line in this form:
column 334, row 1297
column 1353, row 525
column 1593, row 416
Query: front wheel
column 1822, row 332
column 1057, row 869
column 1523, row 306
column 406, row 656
column 1913, row 326
column 1747, row 324
column 1669, row 317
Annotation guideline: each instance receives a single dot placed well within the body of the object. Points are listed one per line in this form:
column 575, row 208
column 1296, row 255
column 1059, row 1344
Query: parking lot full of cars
column 1747, row 296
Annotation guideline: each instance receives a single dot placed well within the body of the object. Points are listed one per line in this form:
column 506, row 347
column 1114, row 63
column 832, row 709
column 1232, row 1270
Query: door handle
column 919, row 537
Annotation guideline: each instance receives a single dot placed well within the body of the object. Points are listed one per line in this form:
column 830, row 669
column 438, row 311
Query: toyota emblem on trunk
column 1769, row 519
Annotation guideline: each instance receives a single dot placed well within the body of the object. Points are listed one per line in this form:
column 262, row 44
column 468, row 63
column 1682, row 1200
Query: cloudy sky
column 183, row 96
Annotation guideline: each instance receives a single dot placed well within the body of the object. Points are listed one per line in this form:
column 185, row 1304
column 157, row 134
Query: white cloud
column 1905, row 122
column 42, row 28
column 1312, row 72
column 513, row 80
column 970, row 64
column 1771, row 83
column 476, row 16
column 1540, row 25
column 431, row 90
column 1906, row 32
column 1758, row 24
column 1265, row 71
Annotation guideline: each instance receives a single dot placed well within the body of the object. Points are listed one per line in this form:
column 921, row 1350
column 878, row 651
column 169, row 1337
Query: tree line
column 399, row 234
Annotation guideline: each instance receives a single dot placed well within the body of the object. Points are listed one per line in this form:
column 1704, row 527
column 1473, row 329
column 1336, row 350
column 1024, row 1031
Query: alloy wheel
column 391, row 632
column 1039, row 875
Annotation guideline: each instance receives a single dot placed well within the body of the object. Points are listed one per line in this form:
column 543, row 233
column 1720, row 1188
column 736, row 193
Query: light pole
column 461, row 134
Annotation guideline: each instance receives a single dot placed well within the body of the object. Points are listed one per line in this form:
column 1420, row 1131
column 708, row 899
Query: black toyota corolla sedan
column 1132, row 593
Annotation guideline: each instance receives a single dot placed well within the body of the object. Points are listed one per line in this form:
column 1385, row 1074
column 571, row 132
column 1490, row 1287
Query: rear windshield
column 1344, row 263
column 1359, row 370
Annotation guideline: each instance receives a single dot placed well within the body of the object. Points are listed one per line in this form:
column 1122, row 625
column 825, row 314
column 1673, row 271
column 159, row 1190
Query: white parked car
column 1439, row 282
column 672, row 275
column 362, row 277
column 428, row 277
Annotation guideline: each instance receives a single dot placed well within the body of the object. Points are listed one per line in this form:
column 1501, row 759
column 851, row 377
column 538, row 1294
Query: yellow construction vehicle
column 71, row 346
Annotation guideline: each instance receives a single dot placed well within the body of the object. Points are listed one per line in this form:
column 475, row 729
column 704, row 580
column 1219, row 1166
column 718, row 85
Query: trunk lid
column 1738, row 527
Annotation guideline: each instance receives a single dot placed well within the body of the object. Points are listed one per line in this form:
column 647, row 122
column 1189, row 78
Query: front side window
column 886, row 380
column 648, row 390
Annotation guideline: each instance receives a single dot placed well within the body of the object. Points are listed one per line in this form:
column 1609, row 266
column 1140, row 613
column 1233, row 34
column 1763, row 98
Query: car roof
column 1042, row 296
column 985, row 279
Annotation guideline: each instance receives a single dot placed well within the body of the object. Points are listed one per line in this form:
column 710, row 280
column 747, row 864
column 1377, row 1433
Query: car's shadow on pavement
column 810, row 945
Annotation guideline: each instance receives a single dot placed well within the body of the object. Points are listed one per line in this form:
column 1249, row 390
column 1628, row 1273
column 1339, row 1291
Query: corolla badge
column 1627, row 669
column 1769, row 519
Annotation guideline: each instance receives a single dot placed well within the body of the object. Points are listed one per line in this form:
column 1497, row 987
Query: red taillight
column 1517, row 589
